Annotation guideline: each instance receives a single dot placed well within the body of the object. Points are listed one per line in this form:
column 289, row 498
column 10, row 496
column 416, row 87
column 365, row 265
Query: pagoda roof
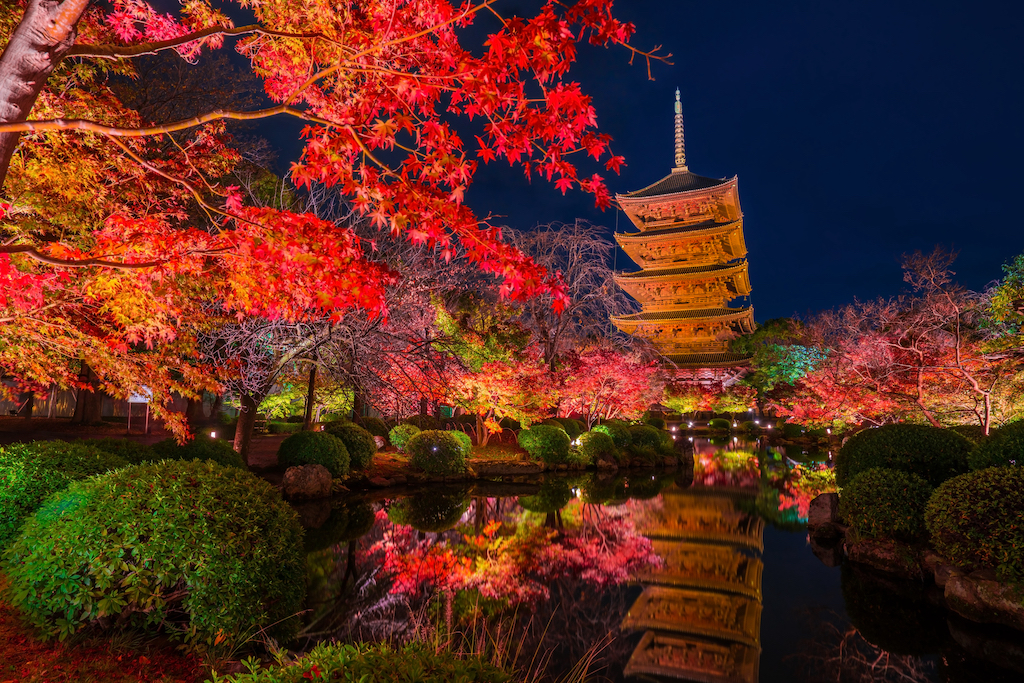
column 679, row 180
column 709, row 360
column 706, row 227
column 685, row 272
column 687, row 314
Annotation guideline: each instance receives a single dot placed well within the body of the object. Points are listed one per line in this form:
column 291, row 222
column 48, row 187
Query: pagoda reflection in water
column 702, row 608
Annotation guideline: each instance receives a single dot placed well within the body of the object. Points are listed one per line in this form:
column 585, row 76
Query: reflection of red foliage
column 804, row 485
column 727, row 468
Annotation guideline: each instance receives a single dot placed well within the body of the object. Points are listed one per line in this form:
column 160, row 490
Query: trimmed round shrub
column 314, row 448
column 31, row 472
column 464, row 441
column 596, row 446
column 132, row 452
column 358, row 442
column 791, row 430
column 618, row 432
column 572, row 427
column 886, row 503
column 283, row 427
column 554, row 495
column 719, row 423
column 400, row 434
column 654, row 421
column 432, row 512
column 546, row 443
column 200, row 448
column 424, row 422
column 929, row 452
column 1003, row 447
column 374, row 425
column 749, row 426
column 211, row 552
column 379, row 663
column 976, row 521
column 645, row 436
column 436, row 452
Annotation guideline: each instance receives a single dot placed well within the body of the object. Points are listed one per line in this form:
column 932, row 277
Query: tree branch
column 130, row 51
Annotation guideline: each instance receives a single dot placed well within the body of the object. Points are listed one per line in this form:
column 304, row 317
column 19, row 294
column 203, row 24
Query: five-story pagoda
column 692, row 256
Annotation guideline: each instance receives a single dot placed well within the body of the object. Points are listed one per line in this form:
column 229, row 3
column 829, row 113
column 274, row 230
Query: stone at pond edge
column 887, row 556
column 824, row 509
column 986, row 601
column 313, row 513
column 306, row 482
column 829, row 552
column 670, row 462
column 1000, row 648
column 606, row 465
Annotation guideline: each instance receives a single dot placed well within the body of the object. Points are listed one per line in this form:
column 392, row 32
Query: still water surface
column 703, row 576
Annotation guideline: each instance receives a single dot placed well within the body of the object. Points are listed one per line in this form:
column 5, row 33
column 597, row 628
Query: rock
column 606, row 465
column 562, row 467
column 824, row 509
column 944, row 572
column 379, row 482
column 830, row 553
column 380, row 441
column 887, row 556
column 978, row 598
column 826, row 534
column 669, row 462
column 1003, row 648
column 306, row 482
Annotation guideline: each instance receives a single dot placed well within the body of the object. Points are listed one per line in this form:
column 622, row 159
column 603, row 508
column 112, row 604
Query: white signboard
column 143, row 395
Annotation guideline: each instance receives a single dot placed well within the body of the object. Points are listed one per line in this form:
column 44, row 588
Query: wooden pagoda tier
column 690, row 248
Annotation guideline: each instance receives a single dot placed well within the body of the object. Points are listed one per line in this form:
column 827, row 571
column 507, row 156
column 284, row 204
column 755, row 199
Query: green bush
column 974, row 433
column 975, row 521
column 644, row 436
column 654, row 421
column 749, row 426
column 1003, row 447
column 358, row 442
column 886, row 503
column 554, row 494
column 720, row 423
column 283, row 427
column 929, row 452
column 376, row 663
column 436, row 452
column 400, row 434
column 209, row 551
column 31, row 472
column 644, row 486
column 791, row 430
column 314, row 448
column 509, row 423
column 572, row 427
column 433, row 511
column 596, row 446
column 374, row 425
column 295, row 419
column 200, row 448
column 618, row 432
column 546, row 443
column 132, row 452
column 424, row 422
column 600, row 489
column 464, row 441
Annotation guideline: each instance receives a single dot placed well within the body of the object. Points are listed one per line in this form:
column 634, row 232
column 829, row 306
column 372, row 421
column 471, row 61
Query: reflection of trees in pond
column 842, row 653
column 894, row 616
column 727, row 468
column 347, row 521
column 431, row 511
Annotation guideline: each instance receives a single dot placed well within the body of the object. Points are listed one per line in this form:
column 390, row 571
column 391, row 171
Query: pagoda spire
column 680, row 144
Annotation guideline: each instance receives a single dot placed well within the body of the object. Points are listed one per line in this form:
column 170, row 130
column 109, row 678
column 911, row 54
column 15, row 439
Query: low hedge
column 546, row 443
column 719, row 423
column 644, row 435
column 1002, row 448
column 886, row 503
column 424, row 422
column 374, row 425
column 436, row 452
column 572, row 427
column 596, row 446
column 132, row 452
column 791, row 430
column 618, row 432
column 974, row 433
column 200, row 448
column 211, row 552
column 358, row 442
column 976, row 521
column 375, row 663
column 31, row 472
column 314, row 448
column 433, row 512
column 464, row 440
column 400, row 434
column 283, row 427
column 929, row 452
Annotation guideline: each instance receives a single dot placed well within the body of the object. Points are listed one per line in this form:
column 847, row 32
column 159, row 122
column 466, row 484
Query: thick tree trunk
column 358, row 404
column 482, row 433
column 307, row 420
column 89, row 406
column 28, row 400
column 46, row 32
column 243, row 430
column 194, row 414
column 423, row 406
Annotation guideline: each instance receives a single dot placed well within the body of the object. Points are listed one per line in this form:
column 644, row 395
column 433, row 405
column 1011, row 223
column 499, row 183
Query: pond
column 703, row 575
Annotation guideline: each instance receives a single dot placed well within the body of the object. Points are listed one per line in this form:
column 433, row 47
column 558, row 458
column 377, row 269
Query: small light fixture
column 435, row 449
column 673, row 428
column 757, row 422
column 769, row 426
column 690, row 423
column 213, row 435
column 673, row 437
column 735, row 424
column 691, row 439
column 576, row 493
column 828, row 430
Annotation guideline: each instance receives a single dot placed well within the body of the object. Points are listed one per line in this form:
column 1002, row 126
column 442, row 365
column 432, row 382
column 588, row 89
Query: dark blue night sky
column 859, row 131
